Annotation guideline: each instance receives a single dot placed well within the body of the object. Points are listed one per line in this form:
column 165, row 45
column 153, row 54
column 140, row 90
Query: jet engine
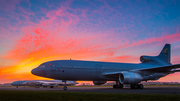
column 144, row 59
column 129, row 78
column 99, row 82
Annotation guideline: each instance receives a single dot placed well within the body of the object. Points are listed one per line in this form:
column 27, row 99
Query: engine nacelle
column 144, row 59
column 99, row 82
column 130, row 78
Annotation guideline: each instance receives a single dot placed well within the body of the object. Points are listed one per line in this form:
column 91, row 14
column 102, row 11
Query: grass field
column 161, row 85
column 144, row 86
column 108, row 86
column 6, row 95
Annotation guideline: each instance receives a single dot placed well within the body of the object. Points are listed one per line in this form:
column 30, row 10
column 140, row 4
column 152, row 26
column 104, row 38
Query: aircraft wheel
column 65, row 88
column 115, row 86
column 141, row 86
column 135, row 86
column 120, row 86
column 132, row 86
column 51, row 87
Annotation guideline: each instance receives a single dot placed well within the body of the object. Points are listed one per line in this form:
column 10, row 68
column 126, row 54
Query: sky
column 36, row 31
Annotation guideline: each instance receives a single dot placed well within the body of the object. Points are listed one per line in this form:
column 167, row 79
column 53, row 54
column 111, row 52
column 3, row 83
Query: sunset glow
column 36, row 31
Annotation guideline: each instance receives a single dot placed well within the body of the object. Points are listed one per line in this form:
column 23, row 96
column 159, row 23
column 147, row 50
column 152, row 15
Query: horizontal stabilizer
column 175, row 71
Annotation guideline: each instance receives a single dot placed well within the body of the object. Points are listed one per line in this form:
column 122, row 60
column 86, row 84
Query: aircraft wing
column 169, row 69
column 112, row 73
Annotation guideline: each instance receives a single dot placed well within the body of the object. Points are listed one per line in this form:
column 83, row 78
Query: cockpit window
column 42, row 66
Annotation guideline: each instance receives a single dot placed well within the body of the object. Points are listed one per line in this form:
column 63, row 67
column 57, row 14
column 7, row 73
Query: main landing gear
column 133, row 86
column 118, row 85
column 137, row 86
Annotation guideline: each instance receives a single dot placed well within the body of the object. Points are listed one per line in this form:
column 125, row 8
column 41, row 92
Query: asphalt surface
column 146, row 90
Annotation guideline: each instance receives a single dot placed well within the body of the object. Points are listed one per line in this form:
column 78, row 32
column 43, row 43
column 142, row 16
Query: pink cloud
column 43, row 36
column 163, row 39
column 171, row 78
column 8, row 5
column 122, row 59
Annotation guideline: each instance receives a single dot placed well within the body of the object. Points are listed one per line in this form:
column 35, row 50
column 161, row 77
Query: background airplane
column 150, row 68
column 44, row 83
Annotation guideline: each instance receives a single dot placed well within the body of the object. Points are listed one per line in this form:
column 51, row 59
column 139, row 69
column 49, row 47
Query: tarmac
column 146, row 90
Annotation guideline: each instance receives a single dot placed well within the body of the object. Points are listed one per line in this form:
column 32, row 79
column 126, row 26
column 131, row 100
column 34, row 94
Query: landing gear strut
column 137, row 86
column 118, row 85
column 65, row 88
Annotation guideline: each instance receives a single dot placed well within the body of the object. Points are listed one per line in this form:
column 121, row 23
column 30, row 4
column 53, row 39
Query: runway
column 146, row 90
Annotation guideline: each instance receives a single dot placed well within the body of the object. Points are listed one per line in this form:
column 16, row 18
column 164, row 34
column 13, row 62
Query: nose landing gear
column 65, row 87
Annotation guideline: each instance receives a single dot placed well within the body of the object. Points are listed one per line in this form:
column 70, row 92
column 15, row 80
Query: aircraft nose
column 34, row 71
column 12, row 83
column 38, row 71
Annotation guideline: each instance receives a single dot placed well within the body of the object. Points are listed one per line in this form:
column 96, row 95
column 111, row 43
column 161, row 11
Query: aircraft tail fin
column 165, row 54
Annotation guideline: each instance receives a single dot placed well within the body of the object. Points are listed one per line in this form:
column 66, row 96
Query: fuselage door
column 53, row 66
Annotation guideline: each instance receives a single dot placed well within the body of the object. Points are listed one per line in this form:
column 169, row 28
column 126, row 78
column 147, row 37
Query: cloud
column 55, row 40
column 64, row 31
column 162, row 39
column 8, row 5
column 9, row 78
column 170, row 78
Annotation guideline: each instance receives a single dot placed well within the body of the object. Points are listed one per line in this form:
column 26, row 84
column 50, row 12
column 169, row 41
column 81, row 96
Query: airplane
column 150, row 68
column 44, row 83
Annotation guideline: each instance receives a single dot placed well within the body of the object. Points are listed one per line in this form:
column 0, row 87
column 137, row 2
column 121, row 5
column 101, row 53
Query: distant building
column 110, row 83
column 160, row 83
